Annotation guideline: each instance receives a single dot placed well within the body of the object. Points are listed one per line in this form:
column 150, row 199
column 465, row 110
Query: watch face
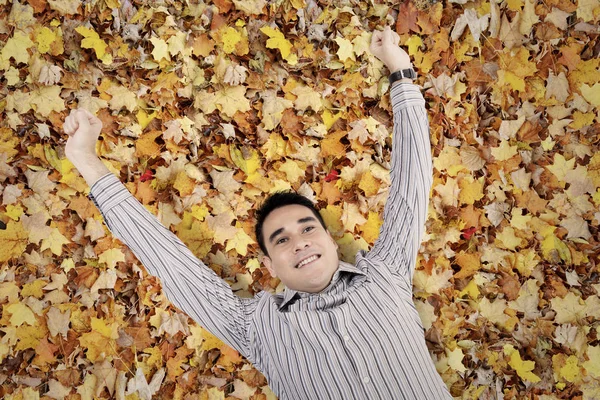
column 410, row 73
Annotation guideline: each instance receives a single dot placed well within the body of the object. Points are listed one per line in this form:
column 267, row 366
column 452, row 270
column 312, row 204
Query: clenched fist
column 384, row 45
column 83, row 129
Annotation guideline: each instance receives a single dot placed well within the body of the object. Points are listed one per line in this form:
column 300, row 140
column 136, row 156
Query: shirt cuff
column 107, row 192
column 405, row 95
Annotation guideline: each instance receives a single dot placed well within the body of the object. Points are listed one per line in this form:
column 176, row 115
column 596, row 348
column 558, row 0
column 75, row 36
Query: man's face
column 301, row 252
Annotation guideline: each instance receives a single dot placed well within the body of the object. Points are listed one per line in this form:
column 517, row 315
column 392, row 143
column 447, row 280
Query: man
column 338, row 331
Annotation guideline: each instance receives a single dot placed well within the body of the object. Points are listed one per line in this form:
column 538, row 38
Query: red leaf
column 333, row 176
column 467, row 233
column 146, row 176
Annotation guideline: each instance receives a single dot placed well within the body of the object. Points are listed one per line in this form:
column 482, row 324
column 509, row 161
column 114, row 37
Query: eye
column 309, row 228
column 281, row 240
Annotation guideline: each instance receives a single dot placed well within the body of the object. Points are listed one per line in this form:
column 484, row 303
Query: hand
column 83, row 129
column 384, row 45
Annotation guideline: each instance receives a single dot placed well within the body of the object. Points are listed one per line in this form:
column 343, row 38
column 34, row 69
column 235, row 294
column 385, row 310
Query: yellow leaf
column 111, row 257
column 471, row 290
column 369, row 184
column 494, row 311
column 332, row 215
column 448, row 192
column 240, row 241
column 449, row 160
column 278, row 41
column 98, row 346
column 469, row 264
column 184, row 184
column 248, row 163
column 471, row 190
column 46, row 99
column 230, row 38
column 44, row 38
column 568, row 309
column 307, row 97
column 591, row 94
column 10, row 291
column 504, row 152
column 14, row 212
column 231, row 99
column 13, row 241
column 552, row 244
column 54, row 242
column 346, row 50
column 332, row 146
column 561, row 166
column 508, row 238
column 29, row 336
column 414, row 43
column 592, row 365
column 570, row 371
column 15, row 48
column 522, row 367
column 293, row 170
column 21, row 314
column 275, row 148
column 161, row 49
column 330, row 118
column 121, row 97
column 588, row 10
column 455, row 358
column 509, row 78
column 34, row 288
column 92, row 41
column 370, row 229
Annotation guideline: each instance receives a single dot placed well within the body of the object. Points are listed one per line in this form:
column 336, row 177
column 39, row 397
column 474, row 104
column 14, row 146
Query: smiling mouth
column 307, row 261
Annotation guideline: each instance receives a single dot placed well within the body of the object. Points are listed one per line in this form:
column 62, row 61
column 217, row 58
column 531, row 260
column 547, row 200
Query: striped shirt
column 359, row 338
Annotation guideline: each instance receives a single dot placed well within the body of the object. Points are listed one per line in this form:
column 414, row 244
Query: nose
column 301, row 244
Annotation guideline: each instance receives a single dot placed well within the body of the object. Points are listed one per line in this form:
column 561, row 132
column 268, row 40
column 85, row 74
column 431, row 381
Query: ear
column 266, row 260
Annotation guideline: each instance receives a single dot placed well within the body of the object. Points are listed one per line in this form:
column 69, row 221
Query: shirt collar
column 290, row 294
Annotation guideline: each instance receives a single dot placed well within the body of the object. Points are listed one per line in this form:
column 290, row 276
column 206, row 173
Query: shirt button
column 366, row 379
column 346, row 338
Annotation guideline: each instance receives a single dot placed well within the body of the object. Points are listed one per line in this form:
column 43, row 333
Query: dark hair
column 278, row 200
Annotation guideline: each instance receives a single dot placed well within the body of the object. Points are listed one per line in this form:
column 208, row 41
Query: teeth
column 309, row 259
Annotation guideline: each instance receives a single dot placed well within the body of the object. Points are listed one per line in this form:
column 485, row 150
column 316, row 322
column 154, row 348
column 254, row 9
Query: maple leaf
column 65, row 7
column 13, row 241
column 92, row 41
column 140, row 386
column 21, row 314
column 58, row 322
column 476, row 25
column 15, row 48
column 522, row 367
column 232, row 99
column 307, row 97
column 278, row 41
column 57, row 390
column 568, row 309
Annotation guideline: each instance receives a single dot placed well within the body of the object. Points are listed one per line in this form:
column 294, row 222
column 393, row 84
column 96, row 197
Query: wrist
column 83, row 158
column 398, row 67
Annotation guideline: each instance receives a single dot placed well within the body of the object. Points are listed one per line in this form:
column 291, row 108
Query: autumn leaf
column 13, row 241
column 207, row 109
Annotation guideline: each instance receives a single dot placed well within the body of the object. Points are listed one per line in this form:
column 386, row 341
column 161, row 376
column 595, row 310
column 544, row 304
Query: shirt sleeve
column 188, row 283
column 411, row 179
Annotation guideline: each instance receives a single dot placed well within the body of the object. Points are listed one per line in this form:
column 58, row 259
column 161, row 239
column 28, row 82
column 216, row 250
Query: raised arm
column 188, row 283
column 411, row 175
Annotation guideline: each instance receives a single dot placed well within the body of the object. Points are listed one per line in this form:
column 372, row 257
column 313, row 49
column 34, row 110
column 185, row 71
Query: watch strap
column 401, row 74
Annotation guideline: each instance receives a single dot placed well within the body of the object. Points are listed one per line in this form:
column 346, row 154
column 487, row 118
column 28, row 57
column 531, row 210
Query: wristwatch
column 401, row 74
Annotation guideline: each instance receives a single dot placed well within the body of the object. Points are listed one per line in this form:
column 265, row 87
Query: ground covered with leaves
column 208, row 107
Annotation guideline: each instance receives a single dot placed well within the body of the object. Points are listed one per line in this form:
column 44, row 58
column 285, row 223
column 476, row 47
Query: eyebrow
column 280, row 230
